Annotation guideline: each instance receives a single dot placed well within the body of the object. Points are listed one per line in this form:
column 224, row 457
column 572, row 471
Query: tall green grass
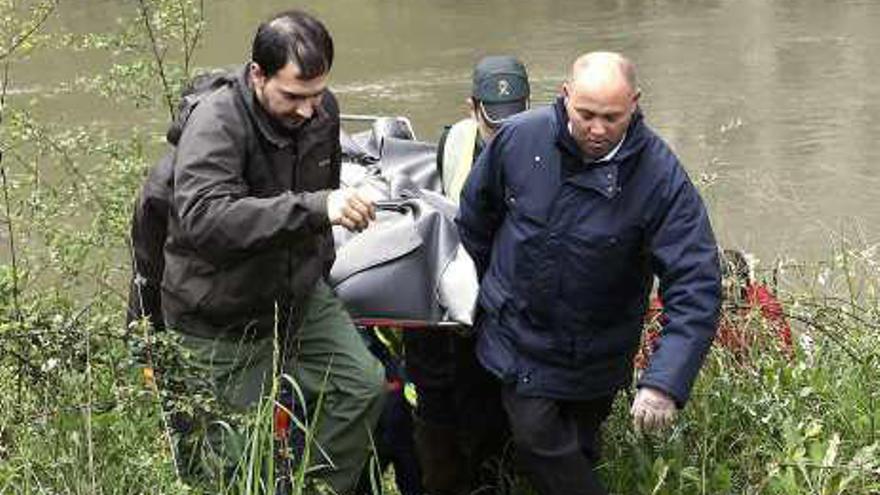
column 77, row 417
column 773, row 423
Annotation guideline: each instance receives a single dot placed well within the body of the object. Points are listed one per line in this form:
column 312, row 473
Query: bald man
column 569, row 214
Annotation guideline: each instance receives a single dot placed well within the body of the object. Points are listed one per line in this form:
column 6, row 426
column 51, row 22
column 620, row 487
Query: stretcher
column 408, row 269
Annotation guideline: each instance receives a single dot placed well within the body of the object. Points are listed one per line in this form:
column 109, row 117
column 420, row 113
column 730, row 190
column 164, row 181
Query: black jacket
column 247, row 228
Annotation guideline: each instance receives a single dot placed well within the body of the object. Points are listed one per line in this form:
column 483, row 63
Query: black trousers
column 459, row 428
column 557, row 442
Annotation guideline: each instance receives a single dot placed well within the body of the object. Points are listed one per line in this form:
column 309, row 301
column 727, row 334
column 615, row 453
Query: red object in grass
column 732, row 334
column 759, row 296
column 282, row 423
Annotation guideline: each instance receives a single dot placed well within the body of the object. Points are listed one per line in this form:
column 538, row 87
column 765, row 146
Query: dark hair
column 297, row 37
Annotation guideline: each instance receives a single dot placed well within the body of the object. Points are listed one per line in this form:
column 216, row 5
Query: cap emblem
column 503, row 87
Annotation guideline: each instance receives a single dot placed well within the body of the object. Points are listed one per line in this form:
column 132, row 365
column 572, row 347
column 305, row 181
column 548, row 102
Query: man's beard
column 288, row 124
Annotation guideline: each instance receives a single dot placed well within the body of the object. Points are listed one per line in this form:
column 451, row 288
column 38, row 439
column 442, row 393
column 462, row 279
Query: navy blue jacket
column 567, row 249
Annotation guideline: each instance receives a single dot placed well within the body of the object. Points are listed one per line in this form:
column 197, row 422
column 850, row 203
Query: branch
column 190, row 46
column 822, row 306
column 160, row 64
column 15, row 304
column 5, row 88
column 831, row 335
column 182, row 5
column 71, row 167
column 16, row 44
column 33, row 369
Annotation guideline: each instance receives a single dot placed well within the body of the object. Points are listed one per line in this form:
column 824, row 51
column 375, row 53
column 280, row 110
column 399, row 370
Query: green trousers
column 327, row 359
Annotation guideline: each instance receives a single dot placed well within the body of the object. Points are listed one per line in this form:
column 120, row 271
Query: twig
column 154, row 387
column 833, row 467
column 16, row 44
column 98, row 408
column 150, row 363
column 158, row 57
column 14, row 261
column 33, row 369
column 16, row 308
column 66, row 330
column 70, row 163
column 859, row 319
column 182, row 5
column 15, row 304
column 190, row 46
column 31, row 333
column 89, row 439
column 831, row 335
column 115, row 291
column 5, row 88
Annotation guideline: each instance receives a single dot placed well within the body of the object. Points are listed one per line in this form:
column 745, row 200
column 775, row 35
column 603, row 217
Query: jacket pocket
column 244, row 289
column 189, row 282
column 605, row 268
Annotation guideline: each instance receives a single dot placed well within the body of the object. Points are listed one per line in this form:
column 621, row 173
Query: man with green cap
column 459, row 420
column 500, row 90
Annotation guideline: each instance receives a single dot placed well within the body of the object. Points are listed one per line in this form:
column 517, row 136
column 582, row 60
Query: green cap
column 501, row 85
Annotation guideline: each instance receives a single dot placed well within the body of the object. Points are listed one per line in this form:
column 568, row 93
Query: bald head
column 604, row 69
column 600, row 96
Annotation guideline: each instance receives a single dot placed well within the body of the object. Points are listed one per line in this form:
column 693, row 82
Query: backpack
column 198, row 88
column 149, row 223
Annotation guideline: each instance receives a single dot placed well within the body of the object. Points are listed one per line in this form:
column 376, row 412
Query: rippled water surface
column 773, row 104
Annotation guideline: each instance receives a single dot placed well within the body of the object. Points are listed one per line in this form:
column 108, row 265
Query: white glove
column 349, row 208
column 652, row 410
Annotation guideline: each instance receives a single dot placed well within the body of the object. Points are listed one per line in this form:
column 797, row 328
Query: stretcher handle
column 396, row 205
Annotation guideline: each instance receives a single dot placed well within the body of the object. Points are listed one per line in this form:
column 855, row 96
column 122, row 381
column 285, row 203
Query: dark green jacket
column 248, row 233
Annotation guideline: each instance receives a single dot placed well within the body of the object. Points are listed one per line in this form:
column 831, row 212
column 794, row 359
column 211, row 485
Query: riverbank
column 77, row 417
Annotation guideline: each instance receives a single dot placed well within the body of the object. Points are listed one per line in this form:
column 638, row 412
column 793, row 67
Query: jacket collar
column 633, row 140
column 607, row 176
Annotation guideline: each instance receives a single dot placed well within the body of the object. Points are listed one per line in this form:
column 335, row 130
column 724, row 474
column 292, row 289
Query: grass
column 77, row 417
column 774, row 423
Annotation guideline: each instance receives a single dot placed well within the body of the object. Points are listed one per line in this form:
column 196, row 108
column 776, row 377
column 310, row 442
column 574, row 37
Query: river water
column 772, row 105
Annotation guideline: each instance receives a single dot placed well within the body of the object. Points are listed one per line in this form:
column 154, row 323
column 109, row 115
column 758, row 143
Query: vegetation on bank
column 76, row 415
column 769, row 422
